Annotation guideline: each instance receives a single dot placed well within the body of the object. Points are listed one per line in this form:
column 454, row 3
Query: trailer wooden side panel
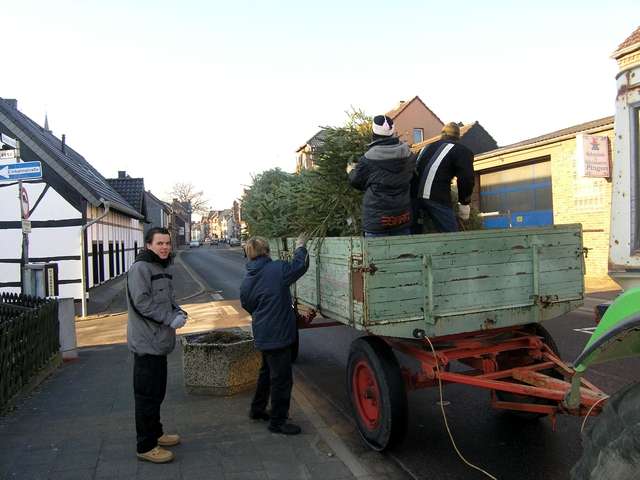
column 444, row 283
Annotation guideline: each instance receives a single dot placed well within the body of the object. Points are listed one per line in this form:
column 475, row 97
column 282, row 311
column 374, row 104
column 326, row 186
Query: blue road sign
column 20, row 171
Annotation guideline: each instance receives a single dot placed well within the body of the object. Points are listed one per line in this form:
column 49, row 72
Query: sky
column 213, row 92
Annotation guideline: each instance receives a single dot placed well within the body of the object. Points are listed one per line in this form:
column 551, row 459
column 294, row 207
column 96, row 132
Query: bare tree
column 186, row 193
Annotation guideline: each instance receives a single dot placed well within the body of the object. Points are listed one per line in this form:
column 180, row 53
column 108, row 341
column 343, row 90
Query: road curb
column 97, row 316
column 193, row 275
column 341, row 450
column 312, row 388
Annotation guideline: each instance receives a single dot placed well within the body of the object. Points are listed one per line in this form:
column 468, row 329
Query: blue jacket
column 265, row 294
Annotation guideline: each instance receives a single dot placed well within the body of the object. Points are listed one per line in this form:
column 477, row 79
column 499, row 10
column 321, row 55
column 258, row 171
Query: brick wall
column 413, row 116
column 583, row 200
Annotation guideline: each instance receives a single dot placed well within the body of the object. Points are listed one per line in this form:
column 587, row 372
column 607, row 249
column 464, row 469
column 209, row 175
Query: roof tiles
column 132, row 189
column 631, row 40
column 80, row 174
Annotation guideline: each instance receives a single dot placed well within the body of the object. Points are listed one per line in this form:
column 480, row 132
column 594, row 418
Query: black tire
column 540, row 331
column 372, row 356
column 611, row 445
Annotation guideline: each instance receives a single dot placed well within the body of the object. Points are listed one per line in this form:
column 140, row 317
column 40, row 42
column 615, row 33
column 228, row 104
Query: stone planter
column 220, row 362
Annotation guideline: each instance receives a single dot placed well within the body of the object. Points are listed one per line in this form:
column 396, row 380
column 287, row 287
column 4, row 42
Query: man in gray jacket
column 154, row 317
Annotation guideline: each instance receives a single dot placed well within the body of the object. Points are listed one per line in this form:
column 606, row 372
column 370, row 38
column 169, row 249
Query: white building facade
column 79, row 222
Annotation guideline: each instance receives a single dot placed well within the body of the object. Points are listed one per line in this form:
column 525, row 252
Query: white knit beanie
column 383, row 126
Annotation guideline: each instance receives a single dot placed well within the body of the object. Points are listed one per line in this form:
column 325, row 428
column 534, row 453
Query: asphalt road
column 221, row 267
column 495, row 441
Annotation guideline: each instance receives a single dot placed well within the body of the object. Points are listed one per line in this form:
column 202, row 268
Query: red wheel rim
column 366, row 395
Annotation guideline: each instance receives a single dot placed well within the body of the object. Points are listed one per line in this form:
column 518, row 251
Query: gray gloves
column 179, row 320
column 464, row 211
column 302, row 239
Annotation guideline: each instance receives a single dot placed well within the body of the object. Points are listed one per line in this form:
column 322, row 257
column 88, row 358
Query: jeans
column 149, row 388
column 441, row 215
column 404, row 231
column 276, row 380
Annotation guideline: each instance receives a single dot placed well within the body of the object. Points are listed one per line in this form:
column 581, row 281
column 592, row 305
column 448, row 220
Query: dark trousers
column 441, row 215
column 149, row 388
column 276, row 380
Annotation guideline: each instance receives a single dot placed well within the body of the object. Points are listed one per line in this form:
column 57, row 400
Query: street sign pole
column 25, row 235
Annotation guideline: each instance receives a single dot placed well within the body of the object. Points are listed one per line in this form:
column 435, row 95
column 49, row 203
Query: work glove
column 350, row 166
column 464, row 211
column 178, row 321
column 302, row 239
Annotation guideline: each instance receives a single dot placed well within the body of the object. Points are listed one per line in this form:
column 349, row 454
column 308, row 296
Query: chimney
column 12, row 103
column 64, row 142
column 122, row 174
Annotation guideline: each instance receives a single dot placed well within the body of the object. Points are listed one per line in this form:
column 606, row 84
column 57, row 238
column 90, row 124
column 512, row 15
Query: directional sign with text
column 20, row 171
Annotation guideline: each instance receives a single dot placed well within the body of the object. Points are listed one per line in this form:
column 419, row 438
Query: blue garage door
column 522, row 195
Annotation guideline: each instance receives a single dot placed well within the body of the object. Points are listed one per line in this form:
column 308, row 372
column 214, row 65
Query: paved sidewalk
column 602, row 284
column 79, row 425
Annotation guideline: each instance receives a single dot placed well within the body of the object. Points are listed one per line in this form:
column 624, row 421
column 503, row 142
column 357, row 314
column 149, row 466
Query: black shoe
column 259, row 416
column 285, row 429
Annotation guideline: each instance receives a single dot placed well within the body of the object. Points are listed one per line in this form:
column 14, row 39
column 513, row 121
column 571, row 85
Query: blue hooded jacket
column 265, row 294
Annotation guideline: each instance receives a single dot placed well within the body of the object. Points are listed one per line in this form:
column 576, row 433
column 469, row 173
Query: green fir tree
column 320, row 201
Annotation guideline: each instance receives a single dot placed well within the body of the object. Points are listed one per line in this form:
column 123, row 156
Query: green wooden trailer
column 477, row 298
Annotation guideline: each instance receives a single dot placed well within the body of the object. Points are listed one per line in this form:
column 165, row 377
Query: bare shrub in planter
column 220, row 362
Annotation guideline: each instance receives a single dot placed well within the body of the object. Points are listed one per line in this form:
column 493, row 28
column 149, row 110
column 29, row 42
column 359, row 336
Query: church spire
column 46, row 123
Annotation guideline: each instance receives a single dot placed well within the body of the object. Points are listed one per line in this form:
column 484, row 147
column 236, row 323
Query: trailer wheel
column 516, row 361
column 377, row 393
column 611, row 445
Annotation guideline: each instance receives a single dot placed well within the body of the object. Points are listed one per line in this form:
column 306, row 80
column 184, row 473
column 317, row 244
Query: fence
column 29, row 339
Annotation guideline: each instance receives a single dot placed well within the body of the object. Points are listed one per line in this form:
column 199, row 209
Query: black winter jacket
column 384, row 174
column 437, row 164
column 265, row 294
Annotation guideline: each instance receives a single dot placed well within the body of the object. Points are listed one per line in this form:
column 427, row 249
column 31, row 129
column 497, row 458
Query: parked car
column 194, row 244
column 234, row 242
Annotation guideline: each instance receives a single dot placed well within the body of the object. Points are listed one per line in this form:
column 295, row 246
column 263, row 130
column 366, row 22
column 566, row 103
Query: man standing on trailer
column 154, row 317
column 437, row 165
column 384, row 174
